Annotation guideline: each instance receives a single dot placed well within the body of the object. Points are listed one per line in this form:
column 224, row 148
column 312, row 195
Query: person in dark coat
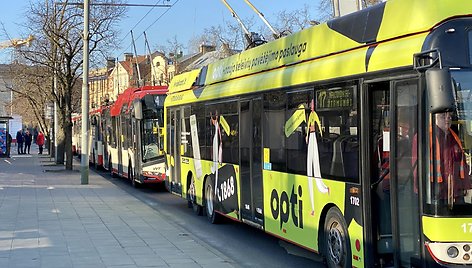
column 19, row 141
column 28, row 140
column 8, row 144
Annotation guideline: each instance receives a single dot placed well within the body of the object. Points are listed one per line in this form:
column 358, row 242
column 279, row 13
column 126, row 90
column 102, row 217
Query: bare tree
column 293, row 21
column 58, row 48
column 229, row 34
column 30, row 97
column 326, row 11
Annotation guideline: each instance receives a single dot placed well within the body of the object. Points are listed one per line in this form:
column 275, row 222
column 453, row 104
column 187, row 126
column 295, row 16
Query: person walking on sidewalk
column 19, row 141
column 40, row 141
column 28, row 139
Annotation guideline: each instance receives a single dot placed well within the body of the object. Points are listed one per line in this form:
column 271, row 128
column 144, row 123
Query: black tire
column 192, row 199
column 212, row 216
column 336, row 245
column 166, row 185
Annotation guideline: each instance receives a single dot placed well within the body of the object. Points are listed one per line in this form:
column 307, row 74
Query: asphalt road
column 245, row 245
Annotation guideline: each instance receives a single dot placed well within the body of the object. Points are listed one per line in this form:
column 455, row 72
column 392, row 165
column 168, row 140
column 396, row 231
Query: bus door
column 394, row 217
column 135, row 145
column 105, row 139
column 95, row 139
column 174, row 150
column 119, row 143
column 250, row 127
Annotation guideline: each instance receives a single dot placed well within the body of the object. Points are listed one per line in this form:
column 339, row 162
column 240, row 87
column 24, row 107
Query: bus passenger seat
column 345, row 159
column 325, row 148
column 351, row 157
column 337, row 160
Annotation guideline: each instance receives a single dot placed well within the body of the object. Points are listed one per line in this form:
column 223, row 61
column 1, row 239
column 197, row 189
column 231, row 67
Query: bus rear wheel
column 192, row 199
column 336, row 246
column 212, row 216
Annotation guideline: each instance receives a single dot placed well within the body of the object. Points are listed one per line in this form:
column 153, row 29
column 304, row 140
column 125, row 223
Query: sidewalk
column 48, row 219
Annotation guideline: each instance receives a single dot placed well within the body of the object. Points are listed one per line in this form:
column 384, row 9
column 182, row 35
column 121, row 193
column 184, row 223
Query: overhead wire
column 123, row 39
column 154, row 22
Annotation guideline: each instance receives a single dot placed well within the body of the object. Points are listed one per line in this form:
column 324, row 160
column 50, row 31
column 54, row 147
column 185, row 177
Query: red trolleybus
column 351, row 138
column 96, row 139
column 134, row 130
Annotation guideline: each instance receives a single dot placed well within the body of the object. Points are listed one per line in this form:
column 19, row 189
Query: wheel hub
column 335, row 245
column 192, row 192
column 209, row 198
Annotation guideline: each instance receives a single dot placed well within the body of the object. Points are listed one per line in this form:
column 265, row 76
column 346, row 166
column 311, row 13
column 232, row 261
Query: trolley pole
column 84, row 160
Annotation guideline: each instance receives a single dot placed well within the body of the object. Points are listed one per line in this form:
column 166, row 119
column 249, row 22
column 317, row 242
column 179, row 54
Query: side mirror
column 440, row 90
column 138, row 109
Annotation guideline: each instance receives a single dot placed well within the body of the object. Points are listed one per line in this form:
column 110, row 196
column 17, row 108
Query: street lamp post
column 84, row 160
column 11, row 101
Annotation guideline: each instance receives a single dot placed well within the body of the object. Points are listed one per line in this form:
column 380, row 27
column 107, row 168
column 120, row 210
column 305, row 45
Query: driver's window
column 449, row 170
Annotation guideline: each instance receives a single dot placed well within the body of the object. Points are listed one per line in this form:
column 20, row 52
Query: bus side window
column 296, row 142
column 274, row 136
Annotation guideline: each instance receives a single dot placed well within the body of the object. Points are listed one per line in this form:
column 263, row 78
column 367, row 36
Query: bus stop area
column 48, row 219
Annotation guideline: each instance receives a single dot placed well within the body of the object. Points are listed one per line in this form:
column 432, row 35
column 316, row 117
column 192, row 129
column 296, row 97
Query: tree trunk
column 60, row 144
column 68, row 145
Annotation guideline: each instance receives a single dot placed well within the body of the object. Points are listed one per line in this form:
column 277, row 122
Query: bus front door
column 393, row 117
column 250, row 138
column 174, row 147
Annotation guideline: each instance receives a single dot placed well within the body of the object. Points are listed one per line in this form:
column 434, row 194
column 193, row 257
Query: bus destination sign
column 334, row 99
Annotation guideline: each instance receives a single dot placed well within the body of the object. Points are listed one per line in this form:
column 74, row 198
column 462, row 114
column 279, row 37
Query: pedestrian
column 9, row 138
column 28, row 139
column 19, row 141
column 40, row 141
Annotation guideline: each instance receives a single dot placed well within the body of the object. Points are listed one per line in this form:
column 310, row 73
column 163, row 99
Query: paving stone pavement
column 48, row 219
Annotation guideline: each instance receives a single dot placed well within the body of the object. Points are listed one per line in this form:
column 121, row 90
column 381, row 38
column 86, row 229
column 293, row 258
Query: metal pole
column 11, row 102
column 274, row 32
column 359, row 5
column 53, row 151
column 247, row 33
column 56, row 120
column 136, row 59
column 336, row 10
column 84, row 160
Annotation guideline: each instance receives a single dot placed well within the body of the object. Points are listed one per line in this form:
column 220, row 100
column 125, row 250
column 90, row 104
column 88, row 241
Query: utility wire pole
column 84, row 160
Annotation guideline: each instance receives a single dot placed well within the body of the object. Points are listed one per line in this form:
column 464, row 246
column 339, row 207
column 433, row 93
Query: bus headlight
column 466, row 248
column 452, row 252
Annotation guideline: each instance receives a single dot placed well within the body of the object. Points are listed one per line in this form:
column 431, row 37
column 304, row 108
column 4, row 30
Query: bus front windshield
column 153, row 127
column 449, row 186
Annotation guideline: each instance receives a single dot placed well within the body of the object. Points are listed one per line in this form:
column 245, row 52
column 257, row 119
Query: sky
column 184, row 20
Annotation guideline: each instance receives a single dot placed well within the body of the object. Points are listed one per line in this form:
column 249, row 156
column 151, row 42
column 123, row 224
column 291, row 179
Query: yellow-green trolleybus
column 351, row 138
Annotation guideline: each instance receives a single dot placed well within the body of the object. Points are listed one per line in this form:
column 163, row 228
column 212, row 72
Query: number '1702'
column 467, row 227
